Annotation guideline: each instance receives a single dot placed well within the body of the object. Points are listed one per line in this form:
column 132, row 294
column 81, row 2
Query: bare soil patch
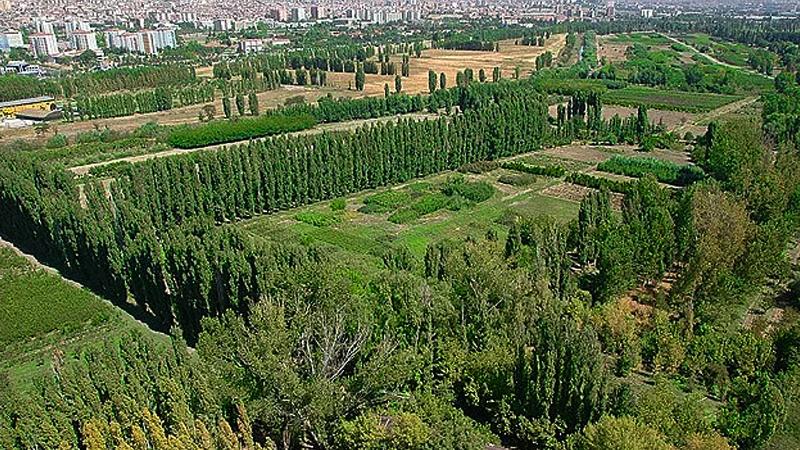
column 670, row 119
column 588, row 153
column 450, row 62
column 613, row 53
column 576, row 193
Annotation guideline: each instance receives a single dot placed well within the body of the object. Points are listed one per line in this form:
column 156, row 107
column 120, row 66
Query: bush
column 424, row 205
column 317, row 219
column 584, row 179
column 476, row 192
column 338, row 204
column 57, row 141
column 548, row 171
column 221, row 132
column 664, row 171
column 518, row 179
column 384, row 202
column 479, row 167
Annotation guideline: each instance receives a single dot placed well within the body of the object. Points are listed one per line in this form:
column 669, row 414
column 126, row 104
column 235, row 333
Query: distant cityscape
column 52, row 28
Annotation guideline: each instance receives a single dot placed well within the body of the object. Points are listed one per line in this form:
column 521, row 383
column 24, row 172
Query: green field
column 667, row 99
column 40, row 312
column 639, row 38
column 367, row 234
column 729, row 52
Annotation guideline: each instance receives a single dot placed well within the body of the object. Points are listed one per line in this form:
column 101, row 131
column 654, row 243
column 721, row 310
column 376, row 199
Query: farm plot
column 41, row 313
column 667, row 99
column 413, row 216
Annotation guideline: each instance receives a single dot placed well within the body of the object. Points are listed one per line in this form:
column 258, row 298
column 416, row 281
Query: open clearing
column 670, row 119
column 177, row 116
column 367, row 234
column 450, row 62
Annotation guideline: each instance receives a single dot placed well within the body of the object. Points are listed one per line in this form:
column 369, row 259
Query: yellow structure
column 10, row 109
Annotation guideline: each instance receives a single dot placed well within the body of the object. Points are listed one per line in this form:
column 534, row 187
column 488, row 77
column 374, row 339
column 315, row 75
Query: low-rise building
column 10, row 109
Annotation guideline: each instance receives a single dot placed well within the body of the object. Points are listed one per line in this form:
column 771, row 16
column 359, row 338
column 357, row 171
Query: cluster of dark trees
column 138, row 102
column 781, row 113
column 537, row 39
column 117, row 247
column 15, row 87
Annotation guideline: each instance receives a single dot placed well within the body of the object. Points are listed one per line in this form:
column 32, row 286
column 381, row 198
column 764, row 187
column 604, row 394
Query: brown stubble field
column 451, row 62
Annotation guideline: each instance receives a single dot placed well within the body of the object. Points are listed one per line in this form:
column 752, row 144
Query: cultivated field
column 40, row 311
column 370, row 222
column 452, row 61
column 668, row 99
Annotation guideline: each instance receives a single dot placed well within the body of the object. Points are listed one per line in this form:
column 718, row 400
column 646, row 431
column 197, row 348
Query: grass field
column 667, row 99
column 732, row 53
column 358, row 232
column 650, row 39
column 369, row 223
column 40, row 312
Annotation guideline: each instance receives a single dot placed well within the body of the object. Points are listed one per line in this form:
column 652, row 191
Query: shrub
column 57, row 141
column 517, row 179
column 664, row 171
column 424, row 205
column 476, row 192
column 479, row 167
column 386, row 201
column 584, row 179
column 548, row 171
column 221, row 132
column 338, row 204
column 317, row 219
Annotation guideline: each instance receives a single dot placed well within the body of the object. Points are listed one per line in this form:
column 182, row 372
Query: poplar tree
column 360, row 78
column 252, row 101
column 431, row 81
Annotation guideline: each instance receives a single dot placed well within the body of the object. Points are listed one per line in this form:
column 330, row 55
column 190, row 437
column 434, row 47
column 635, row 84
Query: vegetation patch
column 34, row 302
column 384, row 202
column 517, row 179
column 317, row 218
column 547, row 171
column 584, row 179
column 663, row 171
column 221, row 132
column 667, row 99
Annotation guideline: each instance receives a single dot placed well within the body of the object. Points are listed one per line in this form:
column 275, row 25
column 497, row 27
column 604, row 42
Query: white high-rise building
column 10, row 39
column 147, row 41
column 83, row 40
column 43, row 44
column 298, row 14
column 5, row 5
column 43, row 26
column 72, row 27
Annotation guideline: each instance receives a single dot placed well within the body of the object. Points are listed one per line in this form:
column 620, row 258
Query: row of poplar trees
column 144, row 242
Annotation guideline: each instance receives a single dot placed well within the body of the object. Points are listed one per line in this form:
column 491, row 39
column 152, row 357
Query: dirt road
column 713, row 59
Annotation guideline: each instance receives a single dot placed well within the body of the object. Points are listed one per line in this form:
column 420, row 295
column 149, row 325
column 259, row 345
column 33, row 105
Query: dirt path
column 39, row 265
column 719, row 112
column 328, row 127
column 713, row 59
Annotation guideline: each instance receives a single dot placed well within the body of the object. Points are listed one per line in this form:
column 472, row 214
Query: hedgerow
column 221, row 132
column 664, row 171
